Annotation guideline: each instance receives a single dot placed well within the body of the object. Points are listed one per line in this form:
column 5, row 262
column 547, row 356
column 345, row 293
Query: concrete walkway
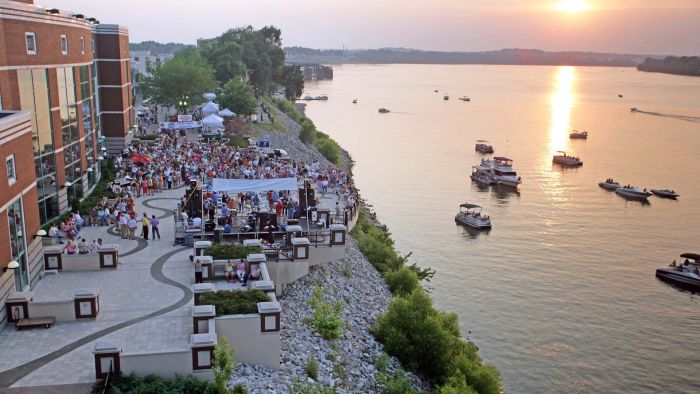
column 145, row 305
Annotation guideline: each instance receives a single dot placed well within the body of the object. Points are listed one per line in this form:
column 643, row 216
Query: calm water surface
column 561, row 294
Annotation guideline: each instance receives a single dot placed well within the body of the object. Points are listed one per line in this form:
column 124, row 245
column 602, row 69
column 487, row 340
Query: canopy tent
column 209, row 96
column 142, row 108
column 210, row 108
column 226, row 112
column 213, row 121
column 253, row 185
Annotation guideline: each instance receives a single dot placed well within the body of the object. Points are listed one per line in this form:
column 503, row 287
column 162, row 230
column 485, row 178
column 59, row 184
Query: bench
column 45, row 322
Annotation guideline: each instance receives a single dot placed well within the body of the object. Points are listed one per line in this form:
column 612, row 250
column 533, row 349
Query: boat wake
column 672, row 116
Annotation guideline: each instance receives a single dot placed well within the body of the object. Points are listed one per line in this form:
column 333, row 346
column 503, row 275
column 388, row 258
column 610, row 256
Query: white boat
column 383, row 111
column 445, row 97
column 465, row 98
column 470, row 215
column 483, row 146
column 566, row 160
column 482, row 175
column 633, row 193
column 685, row 274
column 308, row 98
column 666, row 193
column 581, row 135
column 502, row 170
column 609, row 184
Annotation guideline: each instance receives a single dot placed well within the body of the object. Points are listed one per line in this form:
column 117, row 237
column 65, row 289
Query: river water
column 560, row 295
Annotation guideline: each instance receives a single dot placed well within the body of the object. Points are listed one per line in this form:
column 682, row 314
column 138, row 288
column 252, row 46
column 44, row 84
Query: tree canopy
column 292, row 78
column 684, row 65
column 255, row 56
column 238, row 97
column 185, row 77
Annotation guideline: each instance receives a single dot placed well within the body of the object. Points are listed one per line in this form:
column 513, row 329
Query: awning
column 253, row 185
column 209, row 96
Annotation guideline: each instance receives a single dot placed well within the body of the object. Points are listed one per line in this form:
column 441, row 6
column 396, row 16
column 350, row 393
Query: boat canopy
column 481, row 141
column 469, row 206
column 693, row 256
column 502, row 158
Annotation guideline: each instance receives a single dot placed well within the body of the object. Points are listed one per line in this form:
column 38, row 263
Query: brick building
column 65, row 97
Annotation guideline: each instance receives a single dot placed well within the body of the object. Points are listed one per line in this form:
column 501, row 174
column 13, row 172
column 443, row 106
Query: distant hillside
column 503, row 56
column 685, row 65
column 157, row 48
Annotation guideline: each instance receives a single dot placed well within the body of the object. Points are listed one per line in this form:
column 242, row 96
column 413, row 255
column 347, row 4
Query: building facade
column 65, row 100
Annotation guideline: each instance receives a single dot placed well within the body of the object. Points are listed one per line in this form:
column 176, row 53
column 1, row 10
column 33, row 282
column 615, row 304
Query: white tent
column 226, row 112
column 209, row 96
column 253, row 185
column 213, row 121
column 210, row 108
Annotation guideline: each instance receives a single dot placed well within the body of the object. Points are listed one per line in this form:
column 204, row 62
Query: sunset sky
column 629, row 26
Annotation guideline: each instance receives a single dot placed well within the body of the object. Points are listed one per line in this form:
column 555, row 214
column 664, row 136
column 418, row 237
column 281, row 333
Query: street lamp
column 40, row 233
column 12, row 266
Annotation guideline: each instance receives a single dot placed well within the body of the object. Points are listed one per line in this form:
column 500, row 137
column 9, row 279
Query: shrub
column 234, row 302
column 307, row 132
column 239, row 389
column 304, row 387
column 402, row 282
column 326, row 319
column 329, row 149
column 288, row 108
column 120, row 383
column 239, row 142
column 396, row 384
column 230, row 251
column 223, row 365
column 311, row 368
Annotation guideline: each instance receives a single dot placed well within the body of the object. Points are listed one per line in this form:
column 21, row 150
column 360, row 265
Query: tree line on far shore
column 238, row 64
column 683, row 65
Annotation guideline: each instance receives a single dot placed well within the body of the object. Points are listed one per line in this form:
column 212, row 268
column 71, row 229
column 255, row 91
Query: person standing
column 132, row 224
column 123, row 225
column 145, row 223
column 154, row 227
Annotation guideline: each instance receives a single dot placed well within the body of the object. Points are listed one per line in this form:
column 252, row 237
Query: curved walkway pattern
column 9, row 377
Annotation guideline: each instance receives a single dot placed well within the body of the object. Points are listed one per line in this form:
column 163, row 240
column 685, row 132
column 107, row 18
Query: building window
column 92, row 45
column 64, row 45
column 30, row 39
column 11, row 171
column 82, row 45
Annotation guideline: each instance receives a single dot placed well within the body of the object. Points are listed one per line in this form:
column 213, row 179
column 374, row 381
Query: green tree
column 184, row 78
column 238, row 97
column 292, row 78
column 223, row 365
column 307, row 132
column 224, row 54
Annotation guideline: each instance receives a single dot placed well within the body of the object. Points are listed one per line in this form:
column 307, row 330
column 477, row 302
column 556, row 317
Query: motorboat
column 580, row 135
column 354, row 101
column 610, row 184
column 619, row 95
column 633, row 109
column 308, row 98
column 436, row 90
column 322, row 97
column 502, row 170
column 445, row 97
column 383, row 111
column 465, row 98
column 483, row 146
column 562, row 158
column 686, row 273
column 470, row 215
column 482, row 175
column 633, row 193
column 665, row 193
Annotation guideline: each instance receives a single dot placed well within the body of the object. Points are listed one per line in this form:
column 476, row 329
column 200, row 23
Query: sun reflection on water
column 562, row 102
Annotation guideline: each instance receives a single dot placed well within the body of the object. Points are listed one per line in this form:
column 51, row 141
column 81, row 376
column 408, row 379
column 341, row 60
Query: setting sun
column 572, row 6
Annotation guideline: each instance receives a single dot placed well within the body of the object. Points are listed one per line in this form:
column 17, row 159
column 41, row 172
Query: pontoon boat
column 562, row 158
column 483, row 146
column 580, row 135
column 665, row 193
column 470, row 215
column 383, row 111
column 609, row 184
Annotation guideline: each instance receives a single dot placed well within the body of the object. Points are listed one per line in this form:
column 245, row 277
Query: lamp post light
column 40, row 233
column 13, row 265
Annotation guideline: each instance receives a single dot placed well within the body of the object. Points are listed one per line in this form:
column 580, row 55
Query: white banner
column 180, row 125
column 184, row 118
column 253, row 185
